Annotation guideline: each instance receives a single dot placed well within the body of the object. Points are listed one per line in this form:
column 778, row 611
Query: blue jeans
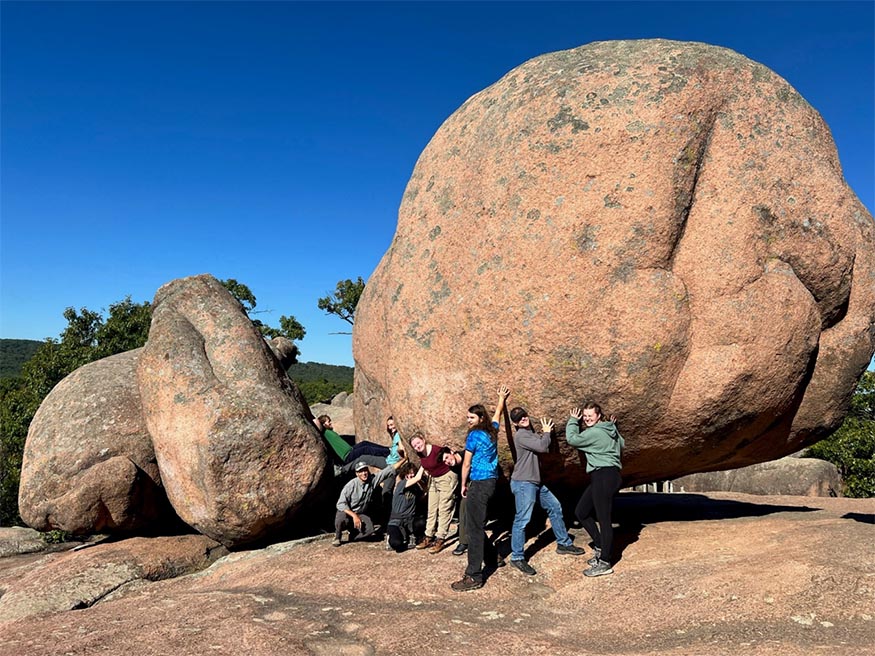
column 525, row 494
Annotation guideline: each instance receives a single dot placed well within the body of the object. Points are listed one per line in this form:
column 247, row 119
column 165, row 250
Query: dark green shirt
column 340, row 446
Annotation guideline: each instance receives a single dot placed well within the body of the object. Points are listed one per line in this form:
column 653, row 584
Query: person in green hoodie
column 602, row 444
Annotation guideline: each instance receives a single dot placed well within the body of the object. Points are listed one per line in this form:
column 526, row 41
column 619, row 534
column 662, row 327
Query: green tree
column 87, row 337
column 289, row 326
column 241, row 292
column 344, row 300
column 852, row 447
column 126, row 328
column 18, row 404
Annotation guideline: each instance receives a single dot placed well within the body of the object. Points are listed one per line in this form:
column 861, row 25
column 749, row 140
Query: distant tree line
column 14, row 353
column 319, row 383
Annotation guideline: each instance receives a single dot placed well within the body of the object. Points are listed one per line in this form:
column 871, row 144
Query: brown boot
column 437, row 547
column 427, row 541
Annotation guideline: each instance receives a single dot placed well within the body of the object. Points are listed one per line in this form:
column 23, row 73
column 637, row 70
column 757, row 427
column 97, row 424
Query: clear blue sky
column 271, row 142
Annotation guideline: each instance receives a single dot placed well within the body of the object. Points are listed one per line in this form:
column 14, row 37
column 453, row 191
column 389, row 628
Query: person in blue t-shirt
column 479, row 477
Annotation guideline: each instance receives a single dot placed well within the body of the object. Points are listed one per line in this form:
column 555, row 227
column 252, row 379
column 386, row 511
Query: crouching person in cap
column 354, row 502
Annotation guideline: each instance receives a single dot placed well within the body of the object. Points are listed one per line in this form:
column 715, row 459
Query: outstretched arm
column 503, row 393
column 573, row 435
column 413, row 481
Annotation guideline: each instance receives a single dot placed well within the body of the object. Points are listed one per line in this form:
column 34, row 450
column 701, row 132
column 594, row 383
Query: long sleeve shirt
column 356, row 494
column 528, row 445
column 602, row 443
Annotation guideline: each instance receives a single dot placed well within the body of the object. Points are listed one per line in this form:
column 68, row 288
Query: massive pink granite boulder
column 660, row 226
column 233, row 436
column 88, row 463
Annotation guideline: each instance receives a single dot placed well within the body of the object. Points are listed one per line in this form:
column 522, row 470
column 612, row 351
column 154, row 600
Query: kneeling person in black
column 404, row 498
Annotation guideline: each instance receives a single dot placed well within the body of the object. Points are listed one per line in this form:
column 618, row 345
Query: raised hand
column 546, row 425
column 577, row 413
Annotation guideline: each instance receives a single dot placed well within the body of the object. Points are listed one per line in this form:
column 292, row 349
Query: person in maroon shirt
column 442, row 484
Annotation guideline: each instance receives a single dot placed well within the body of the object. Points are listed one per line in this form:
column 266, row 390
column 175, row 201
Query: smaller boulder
column 80, row 579
column 285, row 350
column 89, row 466
column 790, row 476
column 16, row 540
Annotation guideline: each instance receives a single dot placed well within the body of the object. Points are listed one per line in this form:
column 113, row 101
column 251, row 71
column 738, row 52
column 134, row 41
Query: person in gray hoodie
column 602, row 444
column 527, row 488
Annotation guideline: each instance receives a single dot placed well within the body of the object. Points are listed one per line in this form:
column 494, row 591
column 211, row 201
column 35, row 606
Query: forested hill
column 14, row 353
column 318, row 382
column 309, row 371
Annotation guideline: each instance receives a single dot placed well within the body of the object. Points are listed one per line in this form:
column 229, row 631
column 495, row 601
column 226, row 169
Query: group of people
column 474, row 473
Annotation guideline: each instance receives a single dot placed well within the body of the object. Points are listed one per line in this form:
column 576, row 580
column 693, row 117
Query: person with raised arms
column 527, row 488
column 479, row 478
column 602, row 444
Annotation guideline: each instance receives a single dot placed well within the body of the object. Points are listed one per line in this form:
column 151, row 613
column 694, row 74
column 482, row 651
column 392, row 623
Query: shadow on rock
column 860, row 517
column 653, row 508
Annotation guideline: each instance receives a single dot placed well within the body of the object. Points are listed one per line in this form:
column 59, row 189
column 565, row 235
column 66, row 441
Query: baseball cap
column 361, row 465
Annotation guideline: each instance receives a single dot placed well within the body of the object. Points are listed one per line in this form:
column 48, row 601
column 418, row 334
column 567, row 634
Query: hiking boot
column 601, row 568
column 336, row 542
column 460, row 549
column 427, row 541
column 569, row 550
column 524, row 567
column 466, row 583
column 437, row 546
column 596, row 555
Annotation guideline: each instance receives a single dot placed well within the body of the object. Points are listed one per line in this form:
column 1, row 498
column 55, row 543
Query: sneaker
column 500, row 563
column 569, row 550
column 388, row 547
column 601, row 568
column 437, row 546
column 427, row 542
column 596, row 555
column 524, row 567
column 460, row 549
column 338, row 471
column 466, row 583
column 336, row 542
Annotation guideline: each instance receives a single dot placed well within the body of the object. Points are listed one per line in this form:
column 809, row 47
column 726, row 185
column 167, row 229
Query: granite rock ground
column 698, row 574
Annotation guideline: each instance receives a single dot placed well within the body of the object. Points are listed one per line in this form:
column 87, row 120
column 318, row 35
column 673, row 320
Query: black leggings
column 599, row 496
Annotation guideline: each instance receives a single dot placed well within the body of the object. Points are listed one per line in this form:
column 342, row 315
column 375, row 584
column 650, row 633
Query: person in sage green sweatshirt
column 602, row 444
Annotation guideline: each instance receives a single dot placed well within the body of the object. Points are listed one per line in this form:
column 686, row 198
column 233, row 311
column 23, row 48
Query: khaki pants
column 441, row 504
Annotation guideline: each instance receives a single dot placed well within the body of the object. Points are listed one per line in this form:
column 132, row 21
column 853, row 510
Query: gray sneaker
column 596, row 555
column 569, row 550
column 601, row 568
column 336, row 542
column 524, row 567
